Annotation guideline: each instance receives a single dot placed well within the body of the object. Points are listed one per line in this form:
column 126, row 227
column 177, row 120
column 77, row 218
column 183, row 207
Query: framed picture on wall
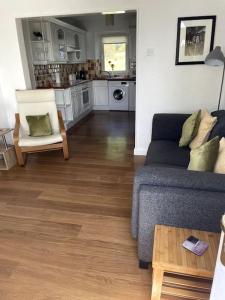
column 195, row 39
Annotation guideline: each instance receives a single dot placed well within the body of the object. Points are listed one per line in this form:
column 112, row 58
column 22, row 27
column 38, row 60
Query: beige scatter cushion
column 220, row 163
column 206, row 125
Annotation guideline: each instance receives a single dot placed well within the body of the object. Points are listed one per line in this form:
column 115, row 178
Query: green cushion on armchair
column 39, row 125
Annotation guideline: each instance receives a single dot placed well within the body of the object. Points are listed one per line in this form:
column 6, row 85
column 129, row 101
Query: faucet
column 107, row 73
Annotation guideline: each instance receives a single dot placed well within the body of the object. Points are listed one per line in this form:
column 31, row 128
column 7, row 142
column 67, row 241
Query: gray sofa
column 165, row 192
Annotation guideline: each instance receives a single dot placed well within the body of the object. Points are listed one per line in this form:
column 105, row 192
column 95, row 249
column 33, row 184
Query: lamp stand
column 221, row 88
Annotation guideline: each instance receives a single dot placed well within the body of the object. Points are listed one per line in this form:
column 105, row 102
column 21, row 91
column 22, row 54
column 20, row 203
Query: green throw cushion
column 39, row 125
column 190, row 129
column 204, row 157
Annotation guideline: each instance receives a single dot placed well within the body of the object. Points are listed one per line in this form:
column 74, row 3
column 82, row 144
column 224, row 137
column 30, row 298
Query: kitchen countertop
column 64, row 86
column 116, row 78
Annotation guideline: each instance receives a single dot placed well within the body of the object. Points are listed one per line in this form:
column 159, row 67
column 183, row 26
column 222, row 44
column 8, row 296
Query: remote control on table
column 195, row 245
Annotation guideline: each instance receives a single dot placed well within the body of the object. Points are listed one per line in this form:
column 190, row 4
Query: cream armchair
column 38, row 102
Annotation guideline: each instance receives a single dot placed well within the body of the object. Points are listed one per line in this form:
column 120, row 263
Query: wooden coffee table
column 177, row 271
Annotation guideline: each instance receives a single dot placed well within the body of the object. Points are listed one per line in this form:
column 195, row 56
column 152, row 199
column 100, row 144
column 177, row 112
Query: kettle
column 82, row 75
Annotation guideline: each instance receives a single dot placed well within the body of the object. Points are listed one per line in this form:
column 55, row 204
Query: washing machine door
column 118, row 95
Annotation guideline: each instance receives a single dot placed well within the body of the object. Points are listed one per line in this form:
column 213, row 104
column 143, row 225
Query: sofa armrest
column 177, row 207
column 168, row 126
column 173, row 178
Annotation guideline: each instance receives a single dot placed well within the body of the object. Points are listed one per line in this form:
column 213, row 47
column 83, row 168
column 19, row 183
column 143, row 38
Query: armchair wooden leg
column 19, row 155
column 65, row 149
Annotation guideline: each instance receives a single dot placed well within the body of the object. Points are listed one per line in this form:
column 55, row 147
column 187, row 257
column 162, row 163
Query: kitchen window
column 114, row 53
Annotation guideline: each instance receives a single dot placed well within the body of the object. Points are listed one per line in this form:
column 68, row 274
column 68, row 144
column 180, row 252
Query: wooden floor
column 65, row 225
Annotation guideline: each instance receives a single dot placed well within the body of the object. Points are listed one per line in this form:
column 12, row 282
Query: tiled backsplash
column 45, row 74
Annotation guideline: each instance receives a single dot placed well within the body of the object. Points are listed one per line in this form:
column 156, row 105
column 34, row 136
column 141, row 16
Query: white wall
column 166, row 87
column 3, row 115
column 161, row 86
column 218, row 287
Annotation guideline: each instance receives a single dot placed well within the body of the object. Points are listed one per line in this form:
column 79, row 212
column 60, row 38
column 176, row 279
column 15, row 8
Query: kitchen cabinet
column 76, row 47
column 76, row 93
column 82, row 98
column 70, row 40
column 83, row 47
column 132, row 95
column 58, row 43
column 64, row 104
column 87, row 95
column 74, row 103
column 39, row 36
column 100, row 95
column 52, row 41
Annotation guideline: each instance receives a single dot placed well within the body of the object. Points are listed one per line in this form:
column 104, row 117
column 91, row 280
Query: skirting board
column 140, row 151
column 100, row 107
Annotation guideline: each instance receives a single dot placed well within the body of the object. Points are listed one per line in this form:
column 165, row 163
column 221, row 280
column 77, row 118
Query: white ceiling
column 81, row 20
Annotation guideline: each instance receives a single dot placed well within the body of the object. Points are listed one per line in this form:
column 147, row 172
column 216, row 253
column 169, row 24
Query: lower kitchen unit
column 83, row 96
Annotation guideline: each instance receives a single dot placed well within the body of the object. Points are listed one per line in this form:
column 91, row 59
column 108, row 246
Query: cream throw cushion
column 206, row 125
column 220, row 163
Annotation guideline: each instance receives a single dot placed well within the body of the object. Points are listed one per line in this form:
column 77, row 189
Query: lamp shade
column 215, row 57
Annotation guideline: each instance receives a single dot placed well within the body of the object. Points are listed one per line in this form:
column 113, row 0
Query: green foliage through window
column 115, row 56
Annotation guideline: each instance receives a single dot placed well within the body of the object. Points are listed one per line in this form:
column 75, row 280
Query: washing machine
column 118, row 95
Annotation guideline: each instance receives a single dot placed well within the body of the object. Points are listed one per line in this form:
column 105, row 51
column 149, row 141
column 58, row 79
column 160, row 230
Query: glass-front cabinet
column 59, row 43
column 76, row 46
column 40, row 41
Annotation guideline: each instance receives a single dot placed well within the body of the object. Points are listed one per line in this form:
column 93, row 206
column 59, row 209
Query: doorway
column 90, row 61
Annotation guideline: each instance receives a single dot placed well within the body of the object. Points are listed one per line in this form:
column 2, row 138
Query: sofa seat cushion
column 167, row 153
column 29, row 141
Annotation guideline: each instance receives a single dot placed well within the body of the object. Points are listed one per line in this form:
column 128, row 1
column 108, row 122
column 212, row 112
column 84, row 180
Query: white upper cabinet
column 40, row 41
column 52, row 41
column 76, row 46
column 59, row 43
column 83, row 47
column 70, row 38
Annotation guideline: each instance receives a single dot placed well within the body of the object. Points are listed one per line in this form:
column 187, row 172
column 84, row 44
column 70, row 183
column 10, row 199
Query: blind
column 114, row 39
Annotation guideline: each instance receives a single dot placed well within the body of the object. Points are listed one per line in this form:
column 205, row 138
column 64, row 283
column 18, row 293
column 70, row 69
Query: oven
column 86, row 95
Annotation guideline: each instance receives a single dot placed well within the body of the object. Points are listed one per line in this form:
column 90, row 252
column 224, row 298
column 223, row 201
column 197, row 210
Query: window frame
column 126, row 71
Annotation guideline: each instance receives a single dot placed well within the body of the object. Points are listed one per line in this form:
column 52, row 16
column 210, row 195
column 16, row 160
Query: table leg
column 157, row 283
column 4, row 142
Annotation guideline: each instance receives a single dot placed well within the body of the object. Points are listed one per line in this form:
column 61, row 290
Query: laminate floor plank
column 65, row 225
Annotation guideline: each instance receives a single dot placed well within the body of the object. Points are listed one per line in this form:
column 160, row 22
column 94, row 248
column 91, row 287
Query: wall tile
column 45, row 75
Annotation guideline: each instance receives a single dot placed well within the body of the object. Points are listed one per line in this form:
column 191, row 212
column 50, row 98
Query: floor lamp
column 216, row 58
